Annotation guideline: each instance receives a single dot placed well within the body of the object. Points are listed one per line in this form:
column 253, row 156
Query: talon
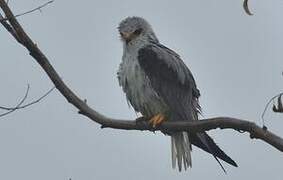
column 157, row 120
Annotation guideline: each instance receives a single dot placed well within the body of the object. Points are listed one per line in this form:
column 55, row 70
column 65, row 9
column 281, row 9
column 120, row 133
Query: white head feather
column 136, row 29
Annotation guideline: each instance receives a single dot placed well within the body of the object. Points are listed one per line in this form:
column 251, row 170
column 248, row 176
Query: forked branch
column 20, row 104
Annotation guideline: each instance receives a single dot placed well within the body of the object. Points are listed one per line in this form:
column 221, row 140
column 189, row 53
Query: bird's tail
column 181, row 150
column 206, row 143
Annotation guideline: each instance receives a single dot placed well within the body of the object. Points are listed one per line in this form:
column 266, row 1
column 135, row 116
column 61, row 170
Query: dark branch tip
column 246, row 8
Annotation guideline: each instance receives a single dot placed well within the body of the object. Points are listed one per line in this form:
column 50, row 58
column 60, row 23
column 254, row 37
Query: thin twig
column 20, row 103
column 30, row 11
column 267, row 105
column 29, row 104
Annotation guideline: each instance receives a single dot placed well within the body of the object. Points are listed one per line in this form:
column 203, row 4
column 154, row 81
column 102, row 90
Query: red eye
column 138, row 31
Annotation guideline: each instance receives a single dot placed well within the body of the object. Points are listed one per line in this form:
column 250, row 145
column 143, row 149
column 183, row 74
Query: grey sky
column 236, row 61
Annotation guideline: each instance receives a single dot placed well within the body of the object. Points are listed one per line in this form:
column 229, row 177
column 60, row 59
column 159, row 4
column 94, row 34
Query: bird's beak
column 126, row 36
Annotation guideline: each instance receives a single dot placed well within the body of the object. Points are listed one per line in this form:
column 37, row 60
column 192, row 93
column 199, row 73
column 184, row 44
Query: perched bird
column 160, row 86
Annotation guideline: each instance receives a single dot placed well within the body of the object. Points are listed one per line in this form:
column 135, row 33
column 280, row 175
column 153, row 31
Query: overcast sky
column 237, row 61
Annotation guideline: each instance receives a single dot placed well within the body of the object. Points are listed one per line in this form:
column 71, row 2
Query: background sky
column 236, row 60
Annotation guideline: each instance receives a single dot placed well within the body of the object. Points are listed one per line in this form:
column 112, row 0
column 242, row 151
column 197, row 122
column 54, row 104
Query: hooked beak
column 126, row 36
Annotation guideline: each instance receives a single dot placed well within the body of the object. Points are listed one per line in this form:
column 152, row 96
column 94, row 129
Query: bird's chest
column 137, row 86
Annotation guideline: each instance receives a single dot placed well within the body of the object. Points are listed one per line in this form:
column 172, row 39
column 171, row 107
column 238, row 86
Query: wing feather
column 171, row 79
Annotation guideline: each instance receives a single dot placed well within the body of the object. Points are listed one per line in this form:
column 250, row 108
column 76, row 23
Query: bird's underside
column 159, row 85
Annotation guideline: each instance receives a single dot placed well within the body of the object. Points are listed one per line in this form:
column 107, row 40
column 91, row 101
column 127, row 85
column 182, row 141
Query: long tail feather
column 206, row 143
column 181, row 150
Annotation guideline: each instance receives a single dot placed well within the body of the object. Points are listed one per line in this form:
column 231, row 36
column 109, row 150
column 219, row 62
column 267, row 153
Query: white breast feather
column 137, row 87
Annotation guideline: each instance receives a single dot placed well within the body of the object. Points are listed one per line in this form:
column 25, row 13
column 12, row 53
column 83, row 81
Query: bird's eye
column 138, row 31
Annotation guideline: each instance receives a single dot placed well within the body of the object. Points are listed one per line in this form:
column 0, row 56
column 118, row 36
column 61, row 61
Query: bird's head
column 134, row 29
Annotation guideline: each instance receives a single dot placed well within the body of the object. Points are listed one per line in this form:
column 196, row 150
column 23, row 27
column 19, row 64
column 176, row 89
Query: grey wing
column 171, row 80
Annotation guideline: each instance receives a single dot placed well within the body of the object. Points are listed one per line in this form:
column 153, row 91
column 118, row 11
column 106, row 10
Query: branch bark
column 105, row 122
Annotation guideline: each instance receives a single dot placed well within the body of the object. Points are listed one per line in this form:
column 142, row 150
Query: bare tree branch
column 279, row 107
column 20, row 103
column 246, row 7
column 9, row 28
column 275, row 109
column 30, row 11
column 195, row 126
column 19, row 106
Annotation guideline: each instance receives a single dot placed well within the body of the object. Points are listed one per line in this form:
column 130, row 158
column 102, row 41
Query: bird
column 160, row 87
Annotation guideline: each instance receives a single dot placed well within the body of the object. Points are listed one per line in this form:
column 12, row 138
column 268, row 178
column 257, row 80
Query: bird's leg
column 157, row 119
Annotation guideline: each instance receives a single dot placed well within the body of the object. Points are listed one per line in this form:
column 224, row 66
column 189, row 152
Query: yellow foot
column 157, row 120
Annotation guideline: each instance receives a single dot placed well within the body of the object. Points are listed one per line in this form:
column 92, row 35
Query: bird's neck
column 135, row 45
column 140, row 42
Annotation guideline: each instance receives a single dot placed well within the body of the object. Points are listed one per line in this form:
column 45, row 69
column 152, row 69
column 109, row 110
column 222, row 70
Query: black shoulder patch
column 153, row 65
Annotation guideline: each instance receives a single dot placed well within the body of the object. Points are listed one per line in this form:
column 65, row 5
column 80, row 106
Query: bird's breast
column 136, row 85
